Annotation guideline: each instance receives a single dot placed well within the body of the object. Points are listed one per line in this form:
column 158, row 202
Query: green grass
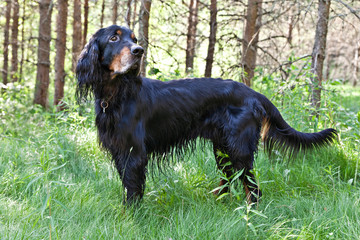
column 56, row 182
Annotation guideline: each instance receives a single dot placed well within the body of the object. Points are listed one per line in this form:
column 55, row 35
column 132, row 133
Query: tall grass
column 55, row 182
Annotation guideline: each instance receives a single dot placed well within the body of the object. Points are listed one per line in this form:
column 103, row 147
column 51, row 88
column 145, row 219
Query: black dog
column 140, row 118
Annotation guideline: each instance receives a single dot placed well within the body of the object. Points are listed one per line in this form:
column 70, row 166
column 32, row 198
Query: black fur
column 140, row 118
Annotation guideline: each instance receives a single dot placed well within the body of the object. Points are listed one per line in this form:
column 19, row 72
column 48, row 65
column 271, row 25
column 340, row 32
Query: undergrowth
column 55, row 182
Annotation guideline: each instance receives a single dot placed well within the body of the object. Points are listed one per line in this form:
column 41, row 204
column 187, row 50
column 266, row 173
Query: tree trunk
column 191, row 35
column 327, row 66
column 143, row 37
column 102, row 14
column 61, row 22
column 14, row 41
column 250, row 39
column 291, row 27
column 318, row 54
column 43, row 66
column 212, row 39
column 77, row 36
column 115, row 11
column 86, row 16
column 6, row 41
column 134, row 15
column 356, row 64
column 128, row 13
column 22, row 40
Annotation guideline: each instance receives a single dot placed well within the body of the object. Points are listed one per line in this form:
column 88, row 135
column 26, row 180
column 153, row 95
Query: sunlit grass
column 56, row 182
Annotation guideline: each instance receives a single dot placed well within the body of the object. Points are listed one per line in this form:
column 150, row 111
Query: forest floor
column 55, row 182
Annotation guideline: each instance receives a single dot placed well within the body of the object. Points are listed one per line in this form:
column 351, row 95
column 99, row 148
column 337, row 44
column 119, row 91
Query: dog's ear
column 88, row 70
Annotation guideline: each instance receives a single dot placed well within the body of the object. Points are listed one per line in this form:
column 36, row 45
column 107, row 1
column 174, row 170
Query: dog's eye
column 135, row 40
column 114, row 38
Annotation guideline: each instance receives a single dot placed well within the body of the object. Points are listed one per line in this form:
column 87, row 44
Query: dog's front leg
column 132, row 171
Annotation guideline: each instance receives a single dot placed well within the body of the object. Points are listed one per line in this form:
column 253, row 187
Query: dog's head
column 111, row 52
column 120, row 52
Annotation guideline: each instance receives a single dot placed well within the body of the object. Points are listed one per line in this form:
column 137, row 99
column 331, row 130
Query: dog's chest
column 120, row 125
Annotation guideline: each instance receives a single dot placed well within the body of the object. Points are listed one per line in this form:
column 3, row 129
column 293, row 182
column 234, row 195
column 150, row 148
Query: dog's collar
column 104, row 105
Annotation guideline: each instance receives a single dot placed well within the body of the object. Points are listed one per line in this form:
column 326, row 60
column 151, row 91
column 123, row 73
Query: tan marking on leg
column 247, row 192
column 220, row 191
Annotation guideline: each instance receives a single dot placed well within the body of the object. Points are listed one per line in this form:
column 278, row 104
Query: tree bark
column 191, row 35
column 128, row 13
column 86, row 16
column 250, row 40
column 143, row 37
column 77, row 33
column 61, row 23
column 43, row 65
column 291, row 27
column 356, row 65
column 212, row 39
column 115, row 11
column 6, row 41
column 134, row 15
column 102, row 14
column 22, row 40
column 327, row 66
column 14, row 41
column 318, row 53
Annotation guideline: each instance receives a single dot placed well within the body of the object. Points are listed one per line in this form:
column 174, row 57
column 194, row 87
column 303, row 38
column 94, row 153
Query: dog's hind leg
column 229, row 166
column 253, row 193
column 224, row 164
column 242, row 138
column 242, row 159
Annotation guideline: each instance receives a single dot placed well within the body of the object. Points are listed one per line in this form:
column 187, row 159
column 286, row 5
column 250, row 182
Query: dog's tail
column 276, row 133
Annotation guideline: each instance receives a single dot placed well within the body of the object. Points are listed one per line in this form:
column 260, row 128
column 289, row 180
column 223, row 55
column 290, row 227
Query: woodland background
column 56, row 183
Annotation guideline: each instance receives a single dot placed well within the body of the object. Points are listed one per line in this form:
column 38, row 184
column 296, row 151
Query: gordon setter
column 140, row 119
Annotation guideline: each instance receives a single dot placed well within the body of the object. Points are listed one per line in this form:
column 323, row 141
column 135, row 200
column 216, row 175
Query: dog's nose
column 137, row 50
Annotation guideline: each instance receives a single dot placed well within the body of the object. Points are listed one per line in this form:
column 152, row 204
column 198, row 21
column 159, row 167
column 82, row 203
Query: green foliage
column 160, row 75
column 55, row 182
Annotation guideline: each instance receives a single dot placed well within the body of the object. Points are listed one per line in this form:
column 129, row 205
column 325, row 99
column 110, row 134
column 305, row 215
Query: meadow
column 56, row 183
